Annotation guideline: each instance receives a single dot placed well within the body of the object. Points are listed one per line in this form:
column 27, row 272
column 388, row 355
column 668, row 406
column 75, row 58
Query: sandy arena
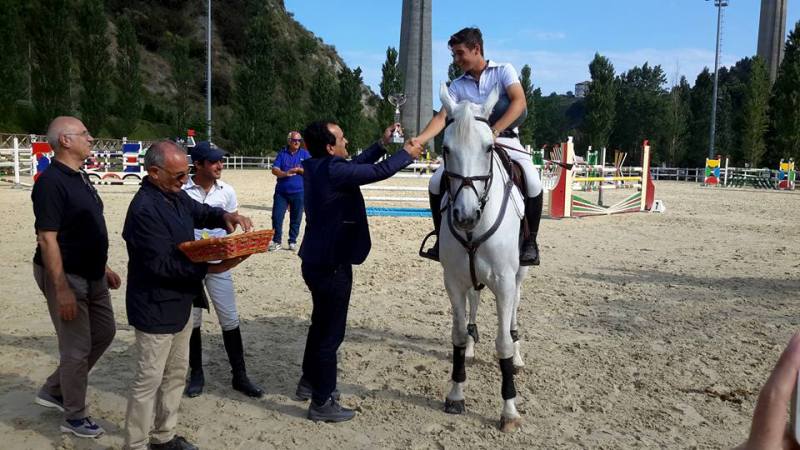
column 639, row 330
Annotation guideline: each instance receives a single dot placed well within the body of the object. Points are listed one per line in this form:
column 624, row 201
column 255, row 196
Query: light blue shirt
column 495, row 75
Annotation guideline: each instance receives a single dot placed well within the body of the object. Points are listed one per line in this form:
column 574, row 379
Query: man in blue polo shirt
column 288, row 167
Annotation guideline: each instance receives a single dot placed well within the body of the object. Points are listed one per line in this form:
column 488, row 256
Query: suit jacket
column 337, row 231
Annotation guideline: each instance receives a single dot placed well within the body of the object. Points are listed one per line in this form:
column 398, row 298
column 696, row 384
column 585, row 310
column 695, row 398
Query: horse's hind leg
column 510, row 419
column 454, row 403
column 474, row 299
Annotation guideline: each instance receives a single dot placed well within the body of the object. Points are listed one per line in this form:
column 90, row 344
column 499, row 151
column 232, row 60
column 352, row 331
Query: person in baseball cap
column 206, row 151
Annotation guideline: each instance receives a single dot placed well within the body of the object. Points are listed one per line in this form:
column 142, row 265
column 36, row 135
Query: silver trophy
column 397, row 100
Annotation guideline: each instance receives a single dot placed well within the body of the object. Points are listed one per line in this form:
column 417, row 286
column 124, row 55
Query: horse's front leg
column 474, row 299
column 510, row 419
column 454, row 403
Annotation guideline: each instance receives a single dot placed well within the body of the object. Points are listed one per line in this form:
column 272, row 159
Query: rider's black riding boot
column 529, row 254
column 436, row 215
column 196, row 379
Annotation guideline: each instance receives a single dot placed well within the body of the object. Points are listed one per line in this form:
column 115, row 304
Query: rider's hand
column 413, row 150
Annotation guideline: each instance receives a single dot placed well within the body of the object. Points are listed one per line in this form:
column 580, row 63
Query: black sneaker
column 330, row 411
column 303, row 391
column 85, row 427
column 176, row 443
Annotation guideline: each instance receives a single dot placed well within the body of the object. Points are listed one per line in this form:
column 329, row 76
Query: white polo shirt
column 221, row 195
column 466, row 87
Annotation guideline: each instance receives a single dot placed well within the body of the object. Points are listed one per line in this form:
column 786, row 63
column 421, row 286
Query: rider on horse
column 479, row 79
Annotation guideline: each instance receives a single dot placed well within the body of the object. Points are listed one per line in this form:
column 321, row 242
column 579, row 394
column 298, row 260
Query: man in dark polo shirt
column 70, row 269
column 162, row 285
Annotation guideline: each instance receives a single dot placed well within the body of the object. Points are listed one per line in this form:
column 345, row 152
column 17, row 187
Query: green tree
column 92, row 52
column 50, row 36
column 255, row 113
column 700, row 106
column 641, row 102
column 526, row 131
column 128, row 78
column 677, row 122
column 755, row 113
column 785, row 102
column 453, row 72
column 184, row 75
column 391, row 83
column 349, row 108
column 600, row 102
column 324, row 94
column 13, row 57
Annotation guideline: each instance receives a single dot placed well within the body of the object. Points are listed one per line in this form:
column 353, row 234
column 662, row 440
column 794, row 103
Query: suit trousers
column 155, row 395
column 330, row 287
column 81, row 341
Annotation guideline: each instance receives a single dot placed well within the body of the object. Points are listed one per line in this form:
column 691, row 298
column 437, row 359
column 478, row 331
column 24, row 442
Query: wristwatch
column 495, row 133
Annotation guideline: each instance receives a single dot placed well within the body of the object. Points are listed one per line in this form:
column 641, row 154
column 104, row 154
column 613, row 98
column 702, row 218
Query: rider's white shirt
column 221, row 195
column 466, row 87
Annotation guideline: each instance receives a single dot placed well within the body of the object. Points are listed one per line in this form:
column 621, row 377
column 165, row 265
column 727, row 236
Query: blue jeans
column 279, row 204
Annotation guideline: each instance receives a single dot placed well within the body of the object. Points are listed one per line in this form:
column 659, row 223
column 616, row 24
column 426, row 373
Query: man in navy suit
column 336, row 237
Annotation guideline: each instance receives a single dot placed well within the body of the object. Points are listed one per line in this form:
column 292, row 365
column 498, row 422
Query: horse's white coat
column 497, row 259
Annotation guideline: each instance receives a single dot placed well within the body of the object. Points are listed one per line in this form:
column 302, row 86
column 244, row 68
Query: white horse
column 479, row 245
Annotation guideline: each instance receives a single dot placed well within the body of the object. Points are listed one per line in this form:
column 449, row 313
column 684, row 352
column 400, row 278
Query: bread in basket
column 232, row 246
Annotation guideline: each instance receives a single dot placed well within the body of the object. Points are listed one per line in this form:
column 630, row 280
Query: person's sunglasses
column 295, row 140
column 176, row 176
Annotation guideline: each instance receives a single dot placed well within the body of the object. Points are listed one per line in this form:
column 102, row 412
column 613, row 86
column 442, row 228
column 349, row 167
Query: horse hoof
column 454, row 406
column 510, row 424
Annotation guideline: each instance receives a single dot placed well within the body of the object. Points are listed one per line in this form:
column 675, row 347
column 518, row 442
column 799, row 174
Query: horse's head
column 467, row 152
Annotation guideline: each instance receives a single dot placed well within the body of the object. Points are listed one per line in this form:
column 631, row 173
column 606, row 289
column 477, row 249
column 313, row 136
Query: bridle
column 469, row 182
column 471, row 243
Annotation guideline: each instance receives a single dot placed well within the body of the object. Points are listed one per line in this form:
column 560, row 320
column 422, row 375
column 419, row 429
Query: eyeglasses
column 295, row 140
column 176, row 176
column 84, row 133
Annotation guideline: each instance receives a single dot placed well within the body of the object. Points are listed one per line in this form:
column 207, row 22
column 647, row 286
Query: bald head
column 63, row 126
column 167, row 166
column 161, row 151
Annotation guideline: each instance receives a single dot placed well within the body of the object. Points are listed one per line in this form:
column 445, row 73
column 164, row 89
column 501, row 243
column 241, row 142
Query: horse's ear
column 447, row 102
column 488, row 105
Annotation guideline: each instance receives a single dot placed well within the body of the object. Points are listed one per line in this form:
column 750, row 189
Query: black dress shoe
column 303, row 391
column 177, row 443
column 330, row 411
column 196, row 383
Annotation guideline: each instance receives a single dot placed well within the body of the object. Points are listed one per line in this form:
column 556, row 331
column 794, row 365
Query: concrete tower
column 772, row 34
column 415, row 65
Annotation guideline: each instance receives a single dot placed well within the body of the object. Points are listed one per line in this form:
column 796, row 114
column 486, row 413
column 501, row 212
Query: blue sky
column 556, row 38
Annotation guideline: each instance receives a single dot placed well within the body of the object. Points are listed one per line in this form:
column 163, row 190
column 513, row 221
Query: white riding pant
column 533, row 180
column 220, row 291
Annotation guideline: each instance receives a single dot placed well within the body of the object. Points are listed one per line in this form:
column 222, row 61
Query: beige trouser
column 161, row 364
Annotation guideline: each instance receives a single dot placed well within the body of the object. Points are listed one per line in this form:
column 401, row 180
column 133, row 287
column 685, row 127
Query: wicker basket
column 214, row 249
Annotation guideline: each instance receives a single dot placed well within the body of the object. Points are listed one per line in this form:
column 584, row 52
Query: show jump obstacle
column 565, row 203
column 783, row 179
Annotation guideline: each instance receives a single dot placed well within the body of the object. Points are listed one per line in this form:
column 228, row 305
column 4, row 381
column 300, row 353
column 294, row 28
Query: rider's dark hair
column 318, row 137
column 470, row 37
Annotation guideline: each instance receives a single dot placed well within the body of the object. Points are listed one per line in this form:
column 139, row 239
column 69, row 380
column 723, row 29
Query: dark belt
column 508, row 134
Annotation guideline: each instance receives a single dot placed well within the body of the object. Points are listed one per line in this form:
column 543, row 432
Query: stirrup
column 426, row 253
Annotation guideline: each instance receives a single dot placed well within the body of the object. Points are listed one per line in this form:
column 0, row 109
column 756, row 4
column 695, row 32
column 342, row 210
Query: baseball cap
column 205, row 151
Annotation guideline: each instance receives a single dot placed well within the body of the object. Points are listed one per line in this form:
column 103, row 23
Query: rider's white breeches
column 533, row 180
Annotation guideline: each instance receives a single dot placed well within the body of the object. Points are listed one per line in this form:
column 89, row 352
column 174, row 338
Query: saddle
column 514, row 170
